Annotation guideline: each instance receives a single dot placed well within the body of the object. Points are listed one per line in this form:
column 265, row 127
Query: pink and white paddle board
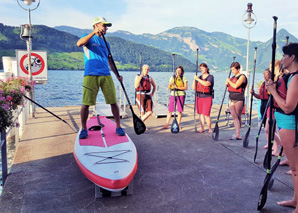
column 108, row 160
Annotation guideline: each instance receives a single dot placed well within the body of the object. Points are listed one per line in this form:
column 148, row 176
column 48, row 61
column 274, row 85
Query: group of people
column 285, row 94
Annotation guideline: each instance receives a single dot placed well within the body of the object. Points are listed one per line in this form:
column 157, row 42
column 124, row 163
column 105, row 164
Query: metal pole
column 247, row 72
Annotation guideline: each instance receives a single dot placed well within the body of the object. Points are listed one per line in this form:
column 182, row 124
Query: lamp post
column 26, row 34
column 249, row 20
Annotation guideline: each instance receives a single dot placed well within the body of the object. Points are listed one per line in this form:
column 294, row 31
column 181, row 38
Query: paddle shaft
column 115, row 70
column 195, row 104
column 48, row 111
column 224, row 95
column 140, row 84
column 263, row 194
column 252, row 86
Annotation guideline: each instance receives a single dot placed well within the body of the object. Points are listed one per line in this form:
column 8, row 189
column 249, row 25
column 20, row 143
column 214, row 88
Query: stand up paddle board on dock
column 108, row 160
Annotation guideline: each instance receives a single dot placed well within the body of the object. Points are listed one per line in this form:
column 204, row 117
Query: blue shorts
column 284, row 121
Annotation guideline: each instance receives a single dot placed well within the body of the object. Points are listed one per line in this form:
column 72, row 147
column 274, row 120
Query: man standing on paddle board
column 97, row 74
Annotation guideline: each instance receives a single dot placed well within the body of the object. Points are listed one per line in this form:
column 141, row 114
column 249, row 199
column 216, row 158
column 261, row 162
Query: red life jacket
column 281, row 88
column 145, row 84
column 263, row 92
column 241, row 88
column 203, row 89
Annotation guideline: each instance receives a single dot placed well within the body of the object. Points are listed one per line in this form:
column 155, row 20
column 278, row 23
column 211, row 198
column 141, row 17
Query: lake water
column 64, row 88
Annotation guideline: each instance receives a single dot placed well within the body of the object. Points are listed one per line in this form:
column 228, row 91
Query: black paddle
column 273, row 169
column 260, row 128
column 269, row 153
column 195, row 105
column 138, row 124
column 215, row 132
column 263, row 195
column 246, row 138
column 140, row 85
column 49, row 111
column 174, row 127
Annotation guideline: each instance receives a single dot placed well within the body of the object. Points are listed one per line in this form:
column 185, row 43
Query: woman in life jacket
column 145, row 88
column 286, row 113
column 236, row 87
column 179, row 83
column 264, row 96
column 203, row 85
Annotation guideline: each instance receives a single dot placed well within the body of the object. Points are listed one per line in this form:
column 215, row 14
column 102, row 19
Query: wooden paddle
column 49, row 112
column 263, row 195
column 215, row 132
column 260, row 128
column 246, row 138
column 195, row 105
column 138, row 124
column 175, row 126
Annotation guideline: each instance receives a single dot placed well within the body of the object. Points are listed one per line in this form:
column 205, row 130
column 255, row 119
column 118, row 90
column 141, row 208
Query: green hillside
column 64, row 54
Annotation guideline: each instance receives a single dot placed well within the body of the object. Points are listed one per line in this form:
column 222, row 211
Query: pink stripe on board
column 110, row 133
column 94, row 137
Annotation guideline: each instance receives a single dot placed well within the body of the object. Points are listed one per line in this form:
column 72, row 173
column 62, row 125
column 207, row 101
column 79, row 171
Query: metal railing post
column 3, row 156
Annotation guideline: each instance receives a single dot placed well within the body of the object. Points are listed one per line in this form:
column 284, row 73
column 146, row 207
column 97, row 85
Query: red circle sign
column 37, row 64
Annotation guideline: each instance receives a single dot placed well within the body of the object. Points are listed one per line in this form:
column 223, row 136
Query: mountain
column 216, row 49
column 64, row 54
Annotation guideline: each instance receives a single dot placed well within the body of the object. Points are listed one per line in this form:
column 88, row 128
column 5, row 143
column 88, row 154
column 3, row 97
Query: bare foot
column 287, row 203
column 289, row 172
column 210, row 131
column 276, row 154
column 284, row 163
column 201, row 131
column 265, row 147
column 165, row 127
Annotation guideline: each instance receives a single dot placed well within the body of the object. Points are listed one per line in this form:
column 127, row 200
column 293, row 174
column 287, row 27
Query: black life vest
column 203, row 89
column 145, row 84
column 263, row 92
column 241, row 88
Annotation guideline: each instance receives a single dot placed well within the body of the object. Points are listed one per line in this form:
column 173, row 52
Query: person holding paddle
column 286, row 113
column 97, row 74
column 203, row 85
column 143, row 84
column 177, row 85
column 236, row 87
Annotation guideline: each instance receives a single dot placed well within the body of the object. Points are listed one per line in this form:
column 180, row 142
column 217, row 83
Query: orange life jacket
column 263, row 92
column 203, row 89
column 241, row 88
column 145, row 84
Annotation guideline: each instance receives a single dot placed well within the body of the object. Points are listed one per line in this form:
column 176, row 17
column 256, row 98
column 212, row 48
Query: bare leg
column 84, row 116
column 202, row 121
column 236, row 109
column 208, row 121
column 146, row 115
column 179, row 118
column 169, row 115
column 116, row 114
column 287, row 139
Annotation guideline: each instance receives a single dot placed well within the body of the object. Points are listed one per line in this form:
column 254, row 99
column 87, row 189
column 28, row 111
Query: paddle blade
column 246, row 138
column 138, row 125
column 215, row 132
column 175, row 126
column 263, row 194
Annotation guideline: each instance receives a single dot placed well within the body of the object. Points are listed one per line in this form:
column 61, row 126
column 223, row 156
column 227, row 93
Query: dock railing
column 13, row 134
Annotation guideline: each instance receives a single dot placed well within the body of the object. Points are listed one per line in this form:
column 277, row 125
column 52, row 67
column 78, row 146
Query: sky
column 156, row 16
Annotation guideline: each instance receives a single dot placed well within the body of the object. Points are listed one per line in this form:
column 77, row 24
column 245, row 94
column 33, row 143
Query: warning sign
column 38, row 65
